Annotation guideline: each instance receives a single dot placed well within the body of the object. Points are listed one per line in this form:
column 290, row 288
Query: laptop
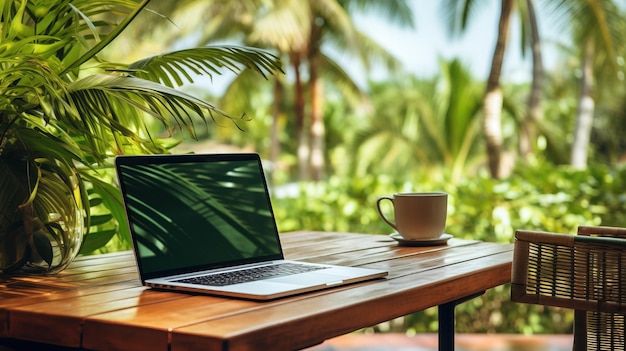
column 204, row 223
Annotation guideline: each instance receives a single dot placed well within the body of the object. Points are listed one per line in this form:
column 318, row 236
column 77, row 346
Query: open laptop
column 204, row 223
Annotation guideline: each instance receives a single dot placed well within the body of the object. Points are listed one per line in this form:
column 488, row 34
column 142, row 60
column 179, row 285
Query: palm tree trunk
column 317, row 113
column 534, row 112
column 275, row 129
column 584, row 115
column 317, row 127
column 301, row 137
column 492, row 102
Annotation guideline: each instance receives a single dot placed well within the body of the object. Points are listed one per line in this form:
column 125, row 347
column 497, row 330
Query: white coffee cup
column 417, row 215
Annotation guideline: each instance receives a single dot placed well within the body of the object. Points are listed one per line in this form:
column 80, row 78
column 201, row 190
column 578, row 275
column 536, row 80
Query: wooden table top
column 98, row 302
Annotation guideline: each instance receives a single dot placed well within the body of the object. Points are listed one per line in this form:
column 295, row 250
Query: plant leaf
column 101, row 219
column 96, row 240
column 43, row 247
column 204, row 61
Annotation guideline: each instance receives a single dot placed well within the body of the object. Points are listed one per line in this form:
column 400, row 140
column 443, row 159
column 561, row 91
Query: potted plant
column 65, row 112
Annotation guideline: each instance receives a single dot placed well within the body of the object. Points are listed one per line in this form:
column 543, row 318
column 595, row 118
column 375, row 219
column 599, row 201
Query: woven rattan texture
column 588, row 275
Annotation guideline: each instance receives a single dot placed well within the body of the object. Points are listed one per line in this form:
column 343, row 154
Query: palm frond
column 397, row 11
column 113, row 106
column 118, row 29
column 170, row 67
column 368, row 50
column 337, row 18
column 333, row 72
column 283, row 26
column 458, row 14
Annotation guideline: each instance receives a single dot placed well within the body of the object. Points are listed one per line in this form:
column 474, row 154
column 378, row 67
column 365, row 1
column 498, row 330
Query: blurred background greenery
column 547, row 153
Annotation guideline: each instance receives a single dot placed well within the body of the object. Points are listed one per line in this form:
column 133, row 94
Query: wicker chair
column 585, row 272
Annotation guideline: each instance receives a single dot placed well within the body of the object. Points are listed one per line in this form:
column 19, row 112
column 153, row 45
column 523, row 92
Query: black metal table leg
column 446, row 322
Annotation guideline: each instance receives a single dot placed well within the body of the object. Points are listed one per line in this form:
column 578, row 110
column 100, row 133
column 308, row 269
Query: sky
column 420, row 48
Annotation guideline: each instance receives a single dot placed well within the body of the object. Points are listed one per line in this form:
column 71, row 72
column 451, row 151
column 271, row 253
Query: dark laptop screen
column 190, row 212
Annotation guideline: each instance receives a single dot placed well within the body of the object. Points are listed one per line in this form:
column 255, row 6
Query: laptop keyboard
column 250, row 274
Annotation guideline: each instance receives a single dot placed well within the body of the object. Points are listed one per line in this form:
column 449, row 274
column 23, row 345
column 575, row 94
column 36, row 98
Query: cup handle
column 380, row 213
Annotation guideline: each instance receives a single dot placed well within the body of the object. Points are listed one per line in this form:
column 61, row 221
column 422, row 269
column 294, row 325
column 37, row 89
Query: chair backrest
column 584, row 272
column 617, row 321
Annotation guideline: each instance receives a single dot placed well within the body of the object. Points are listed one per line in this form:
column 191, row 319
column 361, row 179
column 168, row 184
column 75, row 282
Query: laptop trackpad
column 309, row 279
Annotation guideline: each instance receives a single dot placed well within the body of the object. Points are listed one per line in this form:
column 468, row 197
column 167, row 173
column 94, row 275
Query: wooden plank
column 7, row 304
column 350, row 243
column 362, row 245
column 85, row 269
column 148, row 327
column 370, row 256
column 59, row 322
column 108, row 269
column 308, row 238
column 83, row 279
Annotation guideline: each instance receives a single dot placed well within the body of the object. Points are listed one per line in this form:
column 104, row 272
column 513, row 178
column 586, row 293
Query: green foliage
column 542, row 197
column 430, row 122
column 108, row 219
column 340, row 204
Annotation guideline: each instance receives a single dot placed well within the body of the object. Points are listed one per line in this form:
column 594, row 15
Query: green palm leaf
column 171, row 67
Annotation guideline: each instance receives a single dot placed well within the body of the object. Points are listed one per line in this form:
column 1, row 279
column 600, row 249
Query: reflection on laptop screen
column 195, row 214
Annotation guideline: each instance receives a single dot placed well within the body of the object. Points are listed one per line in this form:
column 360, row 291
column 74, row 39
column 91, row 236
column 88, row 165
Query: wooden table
column 98, row 302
